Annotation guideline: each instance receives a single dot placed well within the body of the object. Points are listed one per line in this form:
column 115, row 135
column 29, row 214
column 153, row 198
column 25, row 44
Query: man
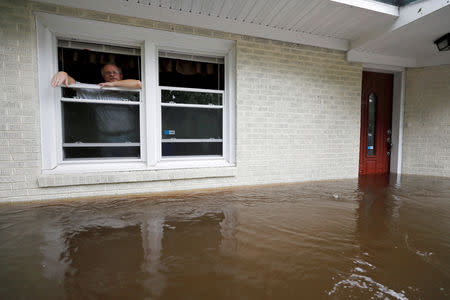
column 115, row 123
column 111, row 73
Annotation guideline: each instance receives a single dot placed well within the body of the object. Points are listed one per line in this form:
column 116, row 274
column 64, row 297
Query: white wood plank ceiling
column 368, row 30
column 317, row 17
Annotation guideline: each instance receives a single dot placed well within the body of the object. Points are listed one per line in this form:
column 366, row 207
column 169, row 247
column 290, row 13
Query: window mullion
column 175, row 140
column 96, row 101
column 209, row 106
column 58, row 108
column 185, row 89
column 151, row 104
column 82, row 145
column 229, row 112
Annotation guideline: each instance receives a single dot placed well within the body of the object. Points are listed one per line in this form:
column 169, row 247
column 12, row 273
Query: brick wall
column 19, row 110
column 298, row 114
column 426, row 136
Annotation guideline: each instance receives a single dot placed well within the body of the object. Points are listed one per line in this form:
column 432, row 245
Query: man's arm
column 127, row 83
column 61, row 78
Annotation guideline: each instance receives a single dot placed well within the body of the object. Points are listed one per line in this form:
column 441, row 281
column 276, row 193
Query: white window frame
column 50, row 28
column 221, row 107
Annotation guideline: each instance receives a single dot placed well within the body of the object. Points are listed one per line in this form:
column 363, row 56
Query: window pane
column 372, row 124
column 192, row 74
column 191, row 123
column 101, row 152
column 184, row 97
column 179, row 149
column 85, row 64
column 100, row 123
column 99, row 94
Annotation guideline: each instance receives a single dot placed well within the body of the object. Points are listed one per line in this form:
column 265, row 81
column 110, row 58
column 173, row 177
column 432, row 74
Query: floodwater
column 372, row 238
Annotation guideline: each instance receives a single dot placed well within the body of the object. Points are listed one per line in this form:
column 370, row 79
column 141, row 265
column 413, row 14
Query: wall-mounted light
column 443, row 43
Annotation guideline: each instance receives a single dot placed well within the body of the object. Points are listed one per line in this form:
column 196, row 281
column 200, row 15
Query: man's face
column 111, row 73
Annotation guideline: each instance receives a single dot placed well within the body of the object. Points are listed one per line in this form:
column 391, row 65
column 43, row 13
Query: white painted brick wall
column 298, row 113
column 426, row 136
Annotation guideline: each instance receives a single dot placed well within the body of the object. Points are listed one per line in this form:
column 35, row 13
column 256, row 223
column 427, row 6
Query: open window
column 99, row 123
column 183, row 117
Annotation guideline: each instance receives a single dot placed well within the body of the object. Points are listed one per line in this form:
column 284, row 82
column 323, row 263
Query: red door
column 376, row 117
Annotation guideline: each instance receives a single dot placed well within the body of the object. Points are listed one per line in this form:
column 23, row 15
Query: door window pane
column 372, row 124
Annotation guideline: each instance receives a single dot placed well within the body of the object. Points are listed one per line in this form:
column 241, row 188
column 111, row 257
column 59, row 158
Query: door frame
column 398, row 105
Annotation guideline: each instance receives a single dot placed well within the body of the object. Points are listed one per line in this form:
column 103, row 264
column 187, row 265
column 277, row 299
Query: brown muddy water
column 373, row 238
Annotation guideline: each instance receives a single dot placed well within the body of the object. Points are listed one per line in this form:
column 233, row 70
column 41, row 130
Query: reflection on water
column 376, row 237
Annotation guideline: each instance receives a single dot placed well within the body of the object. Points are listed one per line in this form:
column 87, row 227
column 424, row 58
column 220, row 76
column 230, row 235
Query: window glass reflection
column 191, row 123
column 372, row 124
column 185, row 97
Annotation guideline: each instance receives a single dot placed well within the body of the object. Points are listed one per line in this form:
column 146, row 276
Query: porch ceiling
column 364, row 27
column 415, row 40
column 323, row 18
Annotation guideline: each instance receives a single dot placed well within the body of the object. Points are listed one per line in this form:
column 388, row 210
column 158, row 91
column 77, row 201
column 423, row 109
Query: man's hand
column 107, row 84
column 126, row 83
column 61, row 78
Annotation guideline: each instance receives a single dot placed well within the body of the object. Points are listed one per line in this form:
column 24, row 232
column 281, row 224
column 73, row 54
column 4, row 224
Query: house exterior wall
column 297, row 115
column 426, row 135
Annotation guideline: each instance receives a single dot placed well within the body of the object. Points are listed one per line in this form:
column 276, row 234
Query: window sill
column 162, row 172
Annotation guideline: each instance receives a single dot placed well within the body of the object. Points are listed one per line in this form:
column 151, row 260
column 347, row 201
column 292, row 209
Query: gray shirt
column 113, row 119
